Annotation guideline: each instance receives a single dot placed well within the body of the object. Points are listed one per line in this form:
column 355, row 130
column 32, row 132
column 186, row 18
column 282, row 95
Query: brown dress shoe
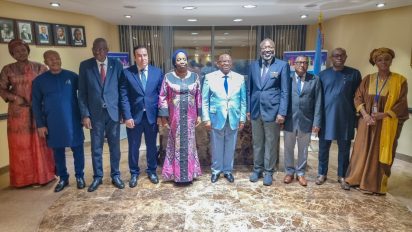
column 288, row 179
column 302, row 181
column 321, row 179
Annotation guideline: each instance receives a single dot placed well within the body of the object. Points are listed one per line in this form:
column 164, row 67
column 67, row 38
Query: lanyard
column 376, row 93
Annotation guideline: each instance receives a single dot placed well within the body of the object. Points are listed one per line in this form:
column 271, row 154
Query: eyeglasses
column 339, row 55
column 301, row 62
column 267, row 48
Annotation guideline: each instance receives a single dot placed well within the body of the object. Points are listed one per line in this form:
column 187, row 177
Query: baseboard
column 4, row 170
column 403, row 157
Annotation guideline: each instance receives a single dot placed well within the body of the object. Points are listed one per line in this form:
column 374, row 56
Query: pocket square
column 274, row 74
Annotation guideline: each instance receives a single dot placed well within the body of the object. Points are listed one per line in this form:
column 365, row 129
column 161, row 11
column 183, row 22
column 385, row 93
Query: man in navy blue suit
column 99, row 107
column 268, row 90
column 139, row 92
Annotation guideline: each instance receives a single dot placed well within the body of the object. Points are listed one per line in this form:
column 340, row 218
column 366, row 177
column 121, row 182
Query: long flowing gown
column 31, row 161
column 180, row 100
column 365, row 168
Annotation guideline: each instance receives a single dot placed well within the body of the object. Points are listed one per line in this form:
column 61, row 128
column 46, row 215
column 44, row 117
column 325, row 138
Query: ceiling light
column 128, row 16
column 249, row 6
column 192, row 20
column 226, row 33
column 237, row 20
column 55, row 4
column 379, row 5
column 195, row 33
column 129, row 7
column 189, row 7
column 304, row 16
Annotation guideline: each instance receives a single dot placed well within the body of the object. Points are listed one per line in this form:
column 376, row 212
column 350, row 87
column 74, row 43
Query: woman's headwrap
column 15, row 43
column 379, row 51
column 175, row 55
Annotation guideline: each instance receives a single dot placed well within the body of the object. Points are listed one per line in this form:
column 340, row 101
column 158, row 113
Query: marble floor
column 203, row 206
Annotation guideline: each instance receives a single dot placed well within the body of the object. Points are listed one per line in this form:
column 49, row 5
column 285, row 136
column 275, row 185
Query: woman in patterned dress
column 31, row 161
column 179, row 107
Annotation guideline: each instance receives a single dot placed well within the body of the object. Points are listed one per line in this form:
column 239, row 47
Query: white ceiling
column 214, row 12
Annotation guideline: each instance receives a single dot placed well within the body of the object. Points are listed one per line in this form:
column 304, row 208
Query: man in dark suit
column 304, row 116
column 339, row 84
column 99, row 106
column 139, row 92
column 268, row 90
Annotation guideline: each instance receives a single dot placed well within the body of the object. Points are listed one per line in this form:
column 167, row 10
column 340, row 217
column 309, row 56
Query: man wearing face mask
column 268, row 91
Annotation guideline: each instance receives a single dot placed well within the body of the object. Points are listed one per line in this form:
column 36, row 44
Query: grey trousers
column 223, row 149
column 265, row 145
column 303, row 140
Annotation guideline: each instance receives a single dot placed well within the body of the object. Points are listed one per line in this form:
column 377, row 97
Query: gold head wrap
column 379, row 51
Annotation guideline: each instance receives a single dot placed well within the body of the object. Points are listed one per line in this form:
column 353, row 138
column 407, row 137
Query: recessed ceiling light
column 129, row 7
column 237, row 20
column 249, row 6
column 189, row 7
column 226, row 33
column 192, row 20
column 304, row 16
column 379, row 5
column 195, row 33
column 128, row 16
column 55, row 4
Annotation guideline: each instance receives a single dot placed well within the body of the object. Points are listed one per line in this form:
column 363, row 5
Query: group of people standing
column 103, row 94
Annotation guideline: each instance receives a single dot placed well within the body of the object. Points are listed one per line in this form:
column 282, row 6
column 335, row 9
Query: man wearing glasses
column 99, row 107
column 268, row 91
column 304, row 116
column 339, row 84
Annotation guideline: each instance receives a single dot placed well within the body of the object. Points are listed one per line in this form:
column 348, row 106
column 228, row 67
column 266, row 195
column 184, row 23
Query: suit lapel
column 257, row 75
column 135, row 76
column 267, row 77
column 96, row 72
column 109, row 72
column 308, row 78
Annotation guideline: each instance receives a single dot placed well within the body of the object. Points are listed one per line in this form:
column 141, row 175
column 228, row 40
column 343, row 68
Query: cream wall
column 360, row 33
column 71, row 56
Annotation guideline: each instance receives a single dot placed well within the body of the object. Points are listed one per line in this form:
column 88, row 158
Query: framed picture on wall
column 7, row 30
column 60, row 35
column 44, row 35
column 78, row 36
column 25, row 31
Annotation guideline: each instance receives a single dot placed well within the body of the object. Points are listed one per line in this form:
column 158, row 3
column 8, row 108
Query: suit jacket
column 268, row 97
column 95, row 95
column 305, row 110
column 134, row 100
column 217, row 105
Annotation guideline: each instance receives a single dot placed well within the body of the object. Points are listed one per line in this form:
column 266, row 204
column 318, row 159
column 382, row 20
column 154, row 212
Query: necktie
column 143, row 79
column 265, row 70
column 102, row 72
column 299, row 85
column 225, row 84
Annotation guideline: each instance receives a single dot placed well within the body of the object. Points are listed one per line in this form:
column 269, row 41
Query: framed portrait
column 43, row 32
column 7, row 30
column 77, row 36
column 25, row 31
column 61, row 35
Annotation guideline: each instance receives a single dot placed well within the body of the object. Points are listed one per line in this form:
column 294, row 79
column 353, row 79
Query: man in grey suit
column 99, row 107
column 268, row 91
column 304, row 116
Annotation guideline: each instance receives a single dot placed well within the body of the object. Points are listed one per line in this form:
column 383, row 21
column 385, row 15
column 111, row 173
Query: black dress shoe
column 80, row 183
column 153, row 178
column 117, row 182
column 95, row 184
column 229, row 177
column 60, row 185
column 133, row 181
column 214, row 178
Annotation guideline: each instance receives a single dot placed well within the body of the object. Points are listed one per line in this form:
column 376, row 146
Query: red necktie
column 102, row 73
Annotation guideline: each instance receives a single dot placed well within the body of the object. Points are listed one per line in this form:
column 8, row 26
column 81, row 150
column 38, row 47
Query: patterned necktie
column 265, row 69
column 102, row 72
column 143, row 79
column 299, row 85
column 225, row 84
